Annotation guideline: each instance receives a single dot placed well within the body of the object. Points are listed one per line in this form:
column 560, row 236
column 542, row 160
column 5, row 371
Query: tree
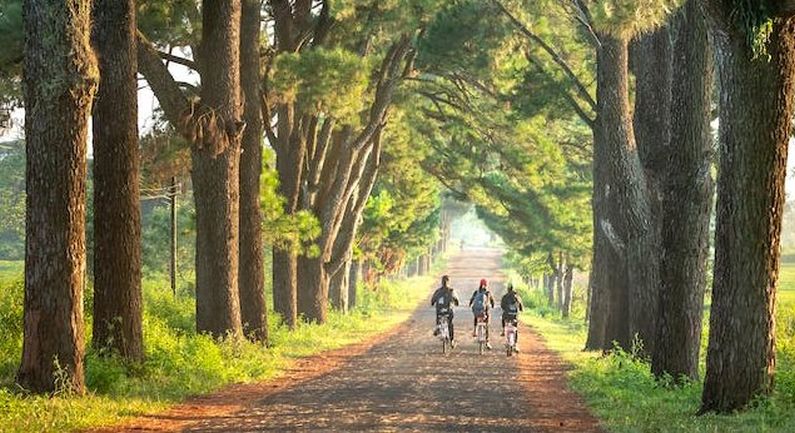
column 756, row 69
column 212, row 125
column 253, row 311
column 686, row 202
column 117, row 213
column 329, row 128
column 216, row 126
column 60, row 80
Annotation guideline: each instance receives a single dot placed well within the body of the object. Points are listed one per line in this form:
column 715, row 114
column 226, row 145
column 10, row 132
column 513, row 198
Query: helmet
column 483, row 282
column 445, row 280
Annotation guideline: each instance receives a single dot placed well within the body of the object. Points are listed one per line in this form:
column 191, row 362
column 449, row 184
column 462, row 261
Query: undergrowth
column 621, row 391
column 180, row 363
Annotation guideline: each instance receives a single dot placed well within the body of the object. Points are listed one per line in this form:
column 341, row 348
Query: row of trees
column 571, row 64
column 653, row 189
column 320, row 91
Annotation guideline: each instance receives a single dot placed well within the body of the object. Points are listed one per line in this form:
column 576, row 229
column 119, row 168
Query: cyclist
column 480, row 302
column 444, row 298
column 511, row 305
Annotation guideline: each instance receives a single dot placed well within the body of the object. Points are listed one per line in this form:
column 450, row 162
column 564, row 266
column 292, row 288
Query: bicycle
column 511, row 330
column 443, row 331
column 481, row 332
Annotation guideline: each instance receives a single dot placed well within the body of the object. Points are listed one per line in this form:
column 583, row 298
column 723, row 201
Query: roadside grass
column 180, row 363
column 11, row 270
column 621, row 391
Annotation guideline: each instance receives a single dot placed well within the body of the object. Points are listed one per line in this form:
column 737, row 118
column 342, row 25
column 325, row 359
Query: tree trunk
column 216, row 157
column 59, row 83
column 423, row 265
column 313, row 289
column 353, row 282
column 568, row 276
column 628, row 228
column 411, row 268
column 549, row 288
column 687, row 203
column 285, row 284
column 338, row 290
column 253, row 311
column 756, row 99
column 652, row 67
column 117, row 213
column 559, row 270
column 603, row 255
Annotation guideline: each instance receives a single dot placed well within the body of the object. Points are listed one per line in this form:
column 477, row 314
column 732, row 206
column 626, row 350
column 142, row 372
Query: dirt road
column 402, row 383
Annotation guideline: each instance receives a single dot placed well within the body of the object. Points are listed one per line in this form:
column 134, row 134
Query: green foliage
column 12, row 200
column 11, row 301
column 294, row 232
column 755, row 20
column 628, row 18
column 621, row 391
column 170, row 22
column 12, row 41
column 330, row 82
column 401, row 218
column 179, row 363
column 156, row 237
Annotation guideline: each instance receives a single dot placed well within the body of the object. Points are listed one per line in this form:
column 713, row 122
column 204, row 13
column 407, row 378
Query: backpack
column 512, row 305
column 479, row 303
column 443, row 300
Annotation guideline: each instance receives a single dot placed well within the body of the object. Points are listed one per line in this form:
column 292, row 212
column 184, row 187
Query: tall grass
column 621, row 391
column 179, row 362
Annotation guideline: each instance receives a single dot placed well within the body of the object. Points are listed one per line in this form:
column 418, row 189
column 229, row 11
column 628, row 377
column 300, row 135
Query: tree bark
column 628, row 222
column 313, row 289
column 568, row 277
column 652, row 66
column 117, row 213
column 756, row 98
column 285, row 286
column 59, row 83
column 253, row 311
column 603, row 260
column 549, row 288
column 422, row 266
column 687, row 202
column 353, row 282
column 338, row 290
column 216, row 178
column 559, row 271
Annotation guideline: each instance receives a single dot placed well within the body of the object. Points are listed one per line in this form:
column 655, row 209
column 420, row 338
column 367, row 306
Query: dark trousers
column 449, row 324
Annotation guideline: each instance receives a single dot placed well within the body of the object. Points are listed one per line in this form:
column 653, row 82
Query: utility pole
column 172, row 196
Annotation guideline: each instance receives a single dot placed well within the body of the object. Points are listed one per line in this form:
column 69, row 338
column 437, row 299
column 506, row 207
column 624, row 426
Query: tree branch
column 177, row 59
column 566, row 95
column 167, row 90
column 582, row 90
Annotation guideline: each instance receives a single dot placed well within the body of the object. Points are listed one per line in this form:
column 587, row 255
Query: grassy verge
column 623, row 394
column 179, row 363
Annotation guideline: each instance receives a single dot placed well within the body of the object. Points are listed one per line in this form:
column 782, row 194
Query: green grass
column 11, row 270
column 623, row 394
column 179, row 363
column 786, row 287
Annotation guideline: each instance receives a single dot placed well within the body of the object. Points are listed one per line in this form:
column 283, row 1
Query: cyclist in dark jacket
column 444, row 298
column 511, row 305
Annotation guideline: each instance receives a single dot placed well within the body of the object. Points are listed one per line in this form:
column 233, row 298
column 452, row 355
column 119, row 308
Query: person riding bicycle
column 511, row 305
column 479, row 302
column 444, row 298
